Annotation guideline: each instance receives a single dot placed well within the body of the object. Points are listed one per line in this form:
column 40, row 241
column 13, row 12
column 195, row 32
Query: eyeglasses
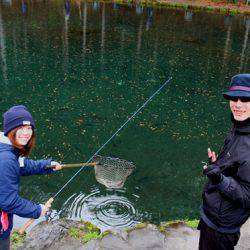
column 236, row 98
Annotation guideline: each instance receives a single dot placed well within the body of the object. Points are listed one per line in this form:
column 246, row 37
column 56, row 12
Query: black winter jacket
column 226, row 206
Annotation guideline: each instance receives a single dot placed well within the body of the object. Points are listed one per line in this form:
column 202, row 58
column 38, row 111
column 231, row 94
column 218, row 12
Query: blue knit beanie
column 16, row 116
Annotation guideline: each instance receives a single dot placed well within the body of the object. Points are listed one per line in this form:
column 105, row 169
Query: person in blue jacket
column 17, row 142
column 226, row 196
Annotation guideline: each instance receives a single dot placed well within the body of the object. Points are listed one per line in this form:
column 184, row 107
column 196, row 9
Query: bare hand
column 46, row 207
column 211, row 155
column 57, row 165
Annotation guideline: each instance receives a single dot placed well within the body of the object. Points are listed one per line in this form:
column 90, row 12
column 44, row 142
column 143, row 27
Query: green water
column 83, row 70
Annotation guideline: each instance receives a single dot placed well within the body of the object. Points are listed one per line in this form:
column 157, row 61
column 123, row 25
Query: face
column 240, row 109
column 23, row 135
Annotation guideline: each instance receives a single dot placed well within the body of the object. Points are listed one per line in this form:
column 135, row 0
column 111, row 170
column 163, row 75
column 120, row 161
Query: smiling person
column 226, row 196
column 16, row 143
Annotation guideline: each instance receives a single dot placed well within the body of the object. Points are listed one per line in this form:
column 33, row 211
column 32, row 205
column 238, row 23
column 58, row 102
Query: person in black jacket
column 226, row 196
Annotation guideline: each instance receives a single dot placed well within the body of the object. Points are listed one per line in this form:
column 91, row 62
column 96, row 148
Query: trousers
column 5, row 244
column 211, row 239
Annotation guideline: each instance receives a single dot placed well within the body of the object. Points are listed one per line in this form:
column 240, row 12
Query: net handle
column 76, row 165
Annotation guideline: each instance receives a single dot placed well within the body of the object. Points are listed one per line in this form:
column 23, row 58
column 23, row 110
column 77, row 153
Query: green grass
column 16, row 239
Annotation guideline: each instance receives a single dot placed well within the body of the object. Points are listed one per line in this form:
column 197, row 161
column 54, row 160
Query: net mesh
column 112, row 172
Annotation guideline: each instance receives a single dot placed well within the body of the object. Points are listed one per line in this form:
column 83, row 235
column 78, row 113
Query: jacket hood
column 5, row 144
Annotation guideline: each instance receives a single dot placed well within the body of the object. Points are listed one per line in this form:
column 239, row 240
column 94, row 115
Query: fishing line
column 118, row 130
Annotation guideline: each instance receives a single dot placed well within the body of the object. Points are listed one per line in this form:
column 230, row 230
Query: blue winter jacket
column 12, row 166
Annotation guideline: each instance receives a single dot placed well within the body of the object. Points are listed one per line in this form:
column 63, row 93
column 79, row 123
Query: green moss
column 167, row 224
column 192, row 223
column 106, row 233
column 138, row 226
column 16, row 239
column 91, row 228
column 76, row 232
column 87, row 232
column 91, row 236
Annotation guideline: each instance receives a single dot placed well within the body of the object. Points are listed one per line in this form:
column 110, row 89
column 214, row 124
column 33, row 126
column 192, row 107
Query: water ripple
column 105, row 211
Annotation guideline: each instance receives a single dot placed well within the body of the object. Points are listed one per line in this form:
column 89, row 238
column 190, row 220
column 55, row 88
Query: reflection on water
column 244, row 46
column 3, row 50
column 105, row 210
column 89, row 65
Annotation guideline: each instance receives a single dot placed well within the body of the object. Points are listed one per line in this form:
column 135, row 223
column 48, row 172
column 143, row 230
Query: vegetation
column 16, row 239
column 86, row 233
column 191, row 223
column 220, row 6
column 138, row 226
column 90, row 232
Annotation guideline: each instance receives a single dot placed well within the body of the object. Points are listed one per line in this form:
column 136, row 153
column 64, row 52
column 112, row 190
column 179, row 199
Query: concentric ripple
column 105, row 211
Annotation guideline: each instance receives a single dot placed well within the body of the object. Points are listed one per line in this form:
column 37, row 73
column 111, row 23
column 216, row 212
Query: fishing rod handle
column 73, row 165
column 22, row 230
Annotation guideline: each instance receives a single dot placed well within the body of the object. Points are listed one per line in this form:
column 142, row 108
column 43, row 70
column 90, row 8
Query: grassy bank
column 224, row 7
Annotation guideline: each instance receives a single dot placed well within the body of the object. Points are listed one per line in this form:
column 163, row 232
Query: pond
column 82, row 68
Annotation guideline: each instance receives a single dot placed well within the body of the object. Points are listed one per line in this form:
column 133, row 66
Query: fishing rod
column 22, row 230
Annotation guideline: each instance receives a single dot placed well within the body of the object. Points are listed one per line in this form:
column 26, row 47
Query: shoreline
column 71, row 235
column 219, row 6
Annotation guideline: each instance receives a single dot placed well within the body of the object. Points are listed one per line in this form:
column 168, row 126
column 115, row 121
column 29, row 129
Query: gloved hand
column 57, row 165
column 213, row 173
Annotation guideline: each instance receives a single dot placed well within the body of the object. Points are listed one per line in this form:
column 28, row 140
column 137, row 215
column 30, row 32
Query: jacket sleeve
column 238, row 189
column 31, row 167
column 10, row 201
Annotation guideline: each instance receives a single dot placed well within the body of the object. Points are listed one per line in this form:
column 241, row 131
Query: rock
column 67, row 243
column 45, row 235
column 147, row 238
column 110, row 242
column 175, row 236
column 244, row 241
column 182, row 237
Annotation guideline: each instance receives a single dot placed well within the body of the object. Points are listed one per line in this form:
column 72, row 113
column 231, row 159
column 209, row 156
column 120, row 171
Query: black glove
column 213, row 173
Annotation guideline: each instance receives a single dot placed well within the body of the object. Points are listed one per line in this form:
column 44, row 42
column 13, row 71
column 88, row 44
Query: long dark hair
column 23, row 150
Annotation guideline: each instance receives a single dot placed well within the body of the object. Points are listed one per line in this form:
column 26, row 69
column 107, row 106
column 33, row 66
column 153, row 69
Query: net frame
column 112, row 172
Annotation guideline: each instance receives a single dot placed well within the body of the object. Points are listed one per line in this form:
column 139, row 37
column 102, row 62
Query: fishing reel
column 48, row 216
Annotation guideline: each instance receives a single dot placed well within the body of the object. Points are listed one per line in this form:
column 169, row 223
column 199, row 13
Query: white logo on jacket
column 21, row 161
